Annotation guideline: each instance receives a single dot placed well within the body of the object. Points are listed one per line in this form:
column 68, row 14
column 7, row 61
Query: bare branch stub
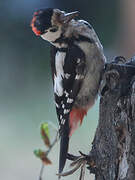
column 113, row 148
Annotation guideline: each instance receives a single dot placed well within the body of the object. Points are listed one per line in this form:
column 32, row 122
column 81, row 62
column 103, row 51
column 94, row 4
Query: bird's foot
column 78, row 162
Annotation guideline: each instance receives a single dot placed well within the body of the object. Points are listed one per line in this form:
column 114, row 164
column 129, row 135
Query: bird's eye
column 54, row 29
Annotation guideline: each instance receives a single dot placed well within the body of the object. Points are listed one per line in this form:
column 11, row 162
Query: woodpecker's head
column 48, row 23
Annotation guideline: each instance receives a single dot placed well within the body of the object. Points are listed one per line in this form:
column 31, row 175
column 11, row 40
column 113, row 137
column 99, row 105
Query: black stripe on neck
column 62, row 49
column 84, row 38
column 71, row 40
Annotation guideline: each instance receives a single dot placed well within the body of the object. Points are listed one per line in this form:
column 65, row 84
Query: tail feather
column 63, row 152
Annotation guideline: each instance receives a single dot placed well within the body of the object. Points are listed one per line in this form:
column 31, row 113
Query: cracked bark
column 113, row 148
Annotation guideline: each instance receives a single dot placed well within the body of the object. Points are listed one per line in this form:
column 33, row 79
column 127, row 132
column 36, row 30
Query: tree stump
column 112, row 156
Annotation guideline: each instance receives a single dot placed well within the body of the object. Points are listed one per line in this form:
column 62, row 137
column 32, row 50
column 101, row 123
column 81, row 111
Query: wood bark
column 112, row 156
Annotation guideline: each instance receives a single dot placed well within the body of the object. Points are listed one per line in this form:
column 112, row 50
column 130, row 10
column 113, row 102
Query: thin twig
column 54, row 142
column 41, row 171
column 47, row 152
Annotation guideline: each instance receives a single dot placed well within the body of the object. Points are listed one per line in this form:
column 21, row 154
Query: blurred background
column 26, row 97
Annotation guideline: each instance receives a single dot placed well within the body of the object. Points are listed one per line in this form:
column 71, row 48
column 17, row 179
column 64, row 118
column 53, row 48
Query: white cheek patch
column 51, row 36
column 59, row 63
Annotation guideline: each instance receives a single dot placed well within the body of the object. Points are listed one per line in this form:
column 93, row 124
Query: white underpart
column 59, row 62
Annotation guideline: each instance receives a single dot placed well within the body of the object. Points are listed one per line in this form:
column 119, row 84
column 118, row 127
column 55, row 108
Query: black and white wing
column 68, row 71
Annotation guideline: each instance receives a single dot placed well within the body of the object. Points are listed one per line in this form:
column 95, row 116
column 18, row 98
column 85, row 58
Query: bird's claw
column 78, row 161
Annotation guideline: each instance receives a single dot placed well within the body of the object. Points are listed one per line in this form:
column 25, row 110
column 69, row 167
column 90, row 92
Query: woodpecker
column 77, row 61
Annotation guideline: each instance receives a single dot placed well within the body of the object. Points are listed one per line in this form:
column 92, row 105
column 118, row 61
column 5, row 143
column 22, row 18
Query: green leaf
column 42, row 156
column 44, row 126
column 45, row 134
column 38, row 153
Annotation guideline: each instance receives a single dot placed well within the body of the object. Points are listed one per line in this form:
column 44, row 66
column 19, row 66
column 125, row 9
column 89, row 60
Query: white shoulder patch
column 67, row 76
column 59, row 63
